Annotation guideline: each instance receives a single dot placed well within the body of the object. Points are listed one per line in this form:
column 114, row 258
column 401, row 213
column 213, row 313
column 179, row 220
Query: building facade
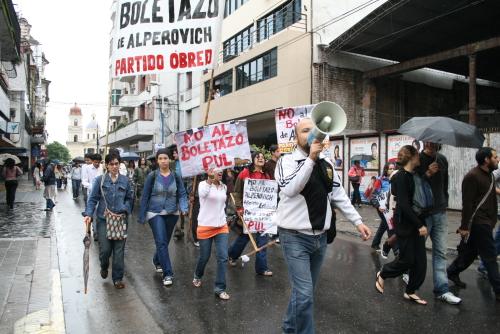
column 82, row 139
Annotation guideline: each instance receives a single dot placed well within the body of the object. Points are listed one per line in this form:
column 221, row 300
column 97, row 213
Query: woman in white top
column 212, row 228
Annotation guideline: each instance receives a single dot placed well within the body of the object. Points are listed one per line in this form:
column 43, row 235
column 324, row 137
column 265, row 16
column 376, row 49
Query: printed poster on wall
column 366, row 150
column 151, row 36
column 260, row 201
column 337, row 153
column 395, row 142
column 216, row 145
column 365, row 182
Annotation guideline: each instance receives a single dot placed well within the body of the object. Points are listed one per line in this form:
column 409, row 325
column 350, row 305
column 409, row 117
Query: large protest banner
column 152, row 36
column 260, row 200
column 286, row 119
column 212, row 146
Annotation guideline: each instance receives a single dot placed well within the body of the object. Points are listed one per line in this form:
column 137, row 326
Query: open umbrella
column 78, row 159
column 151, row 157
column 86, row 255
column 129, row 156
column 443, row 130
column 5, row 156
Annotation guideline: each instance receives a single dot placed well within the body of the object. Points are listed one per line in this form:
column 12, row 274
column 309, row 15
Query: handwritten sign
column 213, row 146
column 152, row 36
column 260, row 200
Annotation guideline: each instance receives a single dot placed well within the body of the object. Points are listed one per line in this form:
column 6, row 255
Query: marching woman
column 255, row 171
column 163, row 195
column 212, row 229
column 112, row 194
column 410, row 230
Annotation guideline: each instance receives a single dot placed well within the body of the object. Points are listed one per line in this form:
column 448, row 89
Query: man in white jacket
column 309, row 186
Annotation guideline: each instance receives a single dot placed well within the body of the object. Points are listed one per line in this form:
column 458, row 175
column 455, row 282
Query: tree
column 58, row 151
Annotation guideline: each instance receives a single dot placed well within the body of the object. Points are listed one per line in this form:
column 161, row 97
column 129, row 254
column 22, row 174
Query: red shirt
column 253, row 175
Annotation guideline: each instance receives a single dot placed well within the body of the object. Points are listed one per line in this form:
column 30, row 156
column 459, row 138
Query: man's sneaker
column 456, row 279
column 196, row 243
column 483, row 273
column 449, row 298
column 385, row 250
column 167, row 281
column 104, row 273
column 158, row 269
column 406, row 278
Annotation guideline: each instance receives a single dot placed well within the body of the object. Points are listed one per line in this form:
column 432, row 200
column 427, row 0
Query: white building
column 82, row 139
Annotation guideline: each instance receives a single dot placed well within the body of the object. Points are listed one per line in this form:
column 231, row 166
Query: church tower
column 75, row 132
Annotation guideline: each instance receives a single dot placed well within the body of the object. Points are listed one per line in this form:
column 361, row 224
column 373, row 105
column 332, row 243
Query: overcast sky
column 74, row 36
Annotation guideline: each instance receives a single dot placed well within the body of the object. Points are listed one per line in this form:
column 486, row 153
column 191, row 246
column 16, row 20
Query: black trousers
column 412, row 258
column 356, row 196
column 10, row 189
column 480, row 243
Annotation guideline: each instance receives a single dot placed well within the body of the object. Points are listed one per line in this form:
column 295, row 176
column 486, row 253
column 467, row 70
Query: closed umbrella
column 86, row 242
column 443, row 130
column 129, row 156
column 5, row 156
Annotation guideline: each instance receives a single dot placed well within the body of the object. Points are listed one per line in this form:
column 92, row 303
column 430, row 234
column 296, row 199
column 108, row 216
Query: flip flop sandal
column 223, row 295
column 266, row 273
column 378, row 286
column 196, row 282
column 119, row 285
column 415, row 299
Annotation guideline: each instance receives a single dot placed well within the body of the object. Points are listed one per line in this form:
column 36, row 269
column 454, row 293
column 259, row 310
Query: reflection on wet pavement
column 25, row 220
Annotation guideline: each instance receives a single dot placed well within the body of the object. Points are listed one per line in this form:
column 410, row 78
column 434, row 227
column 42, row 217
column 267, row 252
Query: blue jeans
column 304, row 256
column 260, row 258
column 75, row 185
column 437, row 227
column 111, row 247
column 162, row 227
column 220, row 241
column 497, row 246
column 49, row 203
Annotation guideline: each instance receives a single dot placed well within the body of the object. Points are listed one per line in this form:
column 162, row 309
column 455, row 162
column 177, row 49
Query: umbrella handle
column 87, row 228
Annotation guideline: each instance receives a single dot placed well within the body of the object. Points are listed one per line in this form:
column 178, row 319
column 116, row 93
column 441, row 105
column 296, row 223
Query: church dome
column 75, row 111
column 92, row 124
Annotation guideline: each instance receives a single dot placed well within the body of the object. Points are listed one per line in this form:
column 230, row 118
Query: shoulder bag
column 116, row 223
column 469, row 226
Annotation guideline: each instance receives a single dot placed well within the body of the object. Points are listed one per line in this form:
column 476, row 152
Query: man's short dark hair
column 483, row 153
column 163, row 151
column 96, row 157
column 273, row 148
column 88, row 156
column 114, row 151
column 110, row 157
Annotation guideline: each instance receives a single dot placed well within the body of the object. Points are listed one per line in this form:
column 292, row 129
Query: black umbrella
column 129, row 156
column 86, row 242
column 78, row 159
column 443, row 130
column 151, row 157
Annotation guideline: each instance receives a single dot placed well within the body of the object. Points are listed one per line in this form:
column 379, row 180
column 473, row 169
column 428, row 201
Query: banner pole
column 195, row 179
column 109, row 115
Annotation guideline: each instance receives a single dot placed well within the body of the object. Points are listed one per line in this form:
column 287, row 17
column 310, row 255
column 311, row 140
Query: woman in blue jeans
column 162, row 196
column 255, row 171
column 212, row 228
column 111, row 193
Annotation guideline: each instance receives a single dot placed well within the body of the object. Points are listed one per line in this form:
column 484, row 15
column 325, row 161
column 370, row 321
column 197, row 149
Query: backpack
column 423, row 200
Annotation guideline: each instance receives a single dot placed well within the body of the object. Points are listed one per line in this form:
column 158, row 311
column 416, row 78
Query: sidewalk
column 372, row 220
column 30, row 290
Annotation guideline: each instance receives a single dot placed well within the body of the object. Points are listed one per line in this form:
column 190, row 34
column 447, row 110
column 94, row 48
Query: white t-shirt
column 212, row 204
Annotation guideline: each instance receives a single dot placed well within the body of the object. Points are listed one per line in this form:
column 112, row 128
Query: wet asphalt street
column 346, row 300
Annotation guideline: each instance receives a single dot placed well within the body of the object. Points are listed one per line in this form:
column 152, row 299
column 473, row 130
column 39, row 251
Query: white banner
column 152, row 36
column 216, row 145
column 260, row 201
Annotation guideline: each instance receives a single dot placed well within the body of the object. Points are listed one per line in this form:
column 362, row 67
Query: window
column 238, row 43
column 93, row 136
column 259, row 69
column 88, row 135
column 75, row 122
column 280, row 18
column 142, row 83
column 75, row 138
column 115, row 97
column 189, row 80
column 223, row 85
column 232, row 5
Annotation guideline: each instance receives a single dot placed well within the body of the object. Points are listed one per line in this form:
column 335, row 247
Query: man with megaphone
column 309, row 190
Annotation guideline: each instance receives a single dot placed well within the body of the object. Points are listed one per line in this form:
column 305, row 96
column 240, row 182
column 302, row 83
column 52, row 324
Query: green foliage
column 58, row 151
column 262, row 150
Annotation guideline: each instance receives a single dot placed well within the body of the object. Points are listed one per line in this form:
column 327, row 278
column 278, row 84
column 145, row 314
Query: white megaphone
column 329, row 119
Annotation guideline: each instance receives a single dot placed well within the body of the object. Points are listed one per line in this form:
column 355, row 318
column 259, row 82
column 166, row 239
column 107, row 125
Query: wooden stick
column 270, row 243
column 252, row 240
column 205, row 121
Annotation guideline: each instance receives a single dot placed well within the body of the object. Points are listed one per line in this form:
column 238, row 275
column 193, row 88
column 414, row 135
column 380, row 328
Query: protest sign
column 152, row 36
column 286, row 119
column 212, row 146
column 260, row 200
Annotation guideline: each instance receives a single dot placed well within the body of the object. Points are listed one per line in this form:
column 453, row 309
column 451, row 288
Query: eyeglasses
column 114, row 164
